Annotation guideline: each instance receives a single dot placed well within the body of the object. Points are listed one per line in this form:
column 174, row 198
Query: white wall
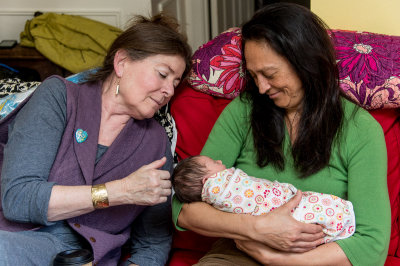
column 14, row 13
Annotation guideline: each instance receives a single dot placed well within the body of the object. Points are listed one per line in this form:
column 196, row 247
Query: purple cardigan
column 139, row 143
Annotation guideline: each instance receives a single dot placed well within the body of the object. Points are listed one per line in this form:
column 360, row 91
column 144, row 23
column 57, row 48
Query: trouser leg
column 35, row 247
column 224, row 252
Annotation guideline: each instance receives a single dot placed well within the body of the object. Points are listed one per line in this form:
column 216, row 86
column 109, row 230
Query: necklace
column 290, row 125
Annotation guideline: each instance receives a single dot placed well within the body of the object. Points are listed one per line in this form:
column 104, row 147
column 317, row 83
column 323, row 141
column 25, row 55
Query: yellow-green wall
column 379, row 16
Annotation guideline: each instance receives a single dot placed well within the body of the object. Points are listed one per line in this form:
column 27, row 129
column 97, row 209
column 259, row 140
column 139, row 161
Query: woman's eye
column 268, row 76
column 162, row 75
column 254, row 77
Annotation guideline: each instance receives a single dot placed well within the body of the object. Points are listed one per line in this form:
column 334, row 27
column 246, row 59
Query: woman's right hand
column 278, row 229
column 146, row 186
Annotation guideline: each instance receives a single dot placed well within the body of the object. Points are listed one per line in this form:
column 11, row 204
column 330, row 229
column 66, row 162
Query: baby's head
column 190, row 174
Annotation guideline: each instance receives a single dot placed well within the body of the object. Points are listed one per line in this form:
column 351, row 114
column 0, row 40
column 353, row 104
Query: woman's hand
column 327, row 254
column 146, row 186
column 259, row 252
column 279, row 230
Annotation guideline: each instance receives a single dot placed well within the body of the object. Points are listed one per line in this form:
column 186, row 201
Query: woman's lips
column 158, row 102
column 273, row 95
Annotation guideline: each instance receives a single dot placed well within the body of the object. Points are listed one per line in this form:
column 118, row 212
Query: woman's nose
column 169, row 89
column 263, row 86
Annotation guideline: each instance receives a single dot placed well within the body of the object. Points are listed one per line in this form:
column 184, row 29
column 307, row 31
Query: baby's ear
column 204, row 179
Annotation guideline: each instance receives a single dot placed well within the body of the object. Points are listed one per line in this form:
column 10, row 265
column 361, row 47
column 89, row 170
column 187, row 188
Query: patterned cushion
column 13, row 91
column 15, row 85
column 217, row 66
column 369, row 68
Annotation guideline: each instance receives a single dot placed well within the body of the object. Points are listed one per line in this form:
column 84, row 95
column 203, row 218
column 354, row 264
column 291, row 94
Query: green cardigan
column 356, row 171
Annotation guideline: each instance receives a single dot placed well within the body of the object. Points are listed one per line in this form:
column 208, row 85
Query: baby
column 200, row 178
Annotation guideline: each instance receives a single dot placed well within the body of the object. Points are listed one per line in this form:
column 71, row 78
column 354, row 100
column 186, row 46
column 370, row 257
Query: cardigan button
column 77, row 225
column 92, row 239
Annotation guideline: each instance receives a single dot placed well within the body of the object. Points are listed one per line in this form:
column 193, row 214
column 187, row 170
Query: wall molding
column 109, row 16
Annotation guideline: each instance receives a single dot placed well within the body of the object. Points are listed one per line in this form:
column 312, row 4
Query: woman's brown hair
column 146, row 37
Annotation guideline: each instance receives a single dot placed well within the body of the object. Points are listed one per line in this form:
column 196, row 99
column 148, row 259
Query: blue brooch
column 81, row 135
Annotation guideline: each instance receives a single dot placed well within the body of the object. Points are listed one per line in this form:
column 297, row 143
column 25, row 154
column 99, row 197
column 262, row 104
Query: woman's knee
column 6, row 247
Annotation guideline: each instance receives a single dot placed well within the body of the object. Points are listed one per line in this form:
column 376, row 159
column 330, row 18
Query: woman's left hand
column 326, row 254
column 148, row 185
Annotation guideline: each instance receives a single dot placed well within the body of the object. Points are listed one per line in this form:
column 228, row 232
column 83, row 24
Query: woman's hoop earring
column 117, row 89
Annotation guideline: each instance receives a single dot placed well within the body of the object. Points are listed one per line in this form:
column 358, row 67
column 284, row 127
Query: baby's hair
column 187, row 179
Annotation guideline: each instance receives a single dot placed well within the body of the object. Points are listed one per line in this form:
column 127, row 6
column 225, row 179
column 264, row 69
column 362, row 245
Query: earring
column 117, row 89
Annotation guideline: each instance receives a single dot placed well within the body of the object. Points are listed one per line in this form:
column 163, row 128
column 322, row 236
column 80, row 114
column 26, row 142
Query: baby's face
column 212, row 165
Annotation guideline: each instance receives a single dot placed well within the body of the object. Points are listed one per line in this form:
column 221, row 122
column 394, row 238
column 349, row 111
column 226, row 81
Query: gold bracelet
column 100, row 196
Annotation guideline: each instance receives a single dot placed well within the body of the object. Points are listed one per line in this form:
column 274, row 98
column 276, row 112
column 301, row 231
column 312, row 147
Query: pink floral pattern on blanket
column 369, row 68
column 217, row 66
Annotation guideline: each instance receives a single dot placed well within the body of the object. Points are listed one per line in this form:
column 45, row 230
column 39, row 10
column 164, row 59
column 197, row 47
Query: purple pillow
column 217, row 66
column 369, row 68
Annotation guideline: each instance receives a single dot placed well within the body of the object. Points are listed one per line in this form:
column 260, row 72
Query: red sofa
column 369, row 67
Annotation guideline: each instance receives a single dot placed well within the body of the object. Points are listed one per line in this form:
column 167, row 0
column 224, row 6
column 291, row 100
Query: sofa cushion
column 389, row 120
column 194, row 113
column 369, row 68
column 217, row 66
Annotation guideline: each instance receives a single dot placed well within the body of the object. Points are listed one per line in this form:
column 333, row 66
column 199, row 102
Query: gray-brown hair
column 146, row 37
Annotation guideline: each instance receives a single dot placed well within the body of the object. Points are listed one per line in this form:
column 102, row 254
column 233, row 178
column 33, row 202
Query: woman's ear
column 120, row 59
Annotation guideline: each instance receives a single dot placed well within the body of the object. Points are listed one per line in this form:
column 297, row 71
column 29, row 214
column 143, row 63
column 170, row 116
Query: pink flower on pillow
column 217, row 67
column 369, row 67
column 366, row 57
column 230, row 61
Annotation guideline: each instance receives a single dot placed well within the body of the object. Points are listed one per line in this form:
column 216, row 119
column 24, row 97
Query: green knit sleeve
column 176, row 209
column 229, row 134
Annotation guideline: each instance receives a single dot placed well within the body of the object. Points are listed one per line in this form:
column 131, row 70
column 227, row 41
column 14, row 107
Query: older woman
column 83, row 161
column 293, row 125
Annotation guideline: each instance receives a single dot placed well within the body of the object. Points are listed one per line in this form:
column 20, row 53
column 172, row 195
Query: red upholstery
column 389, row 120
column 194, row 113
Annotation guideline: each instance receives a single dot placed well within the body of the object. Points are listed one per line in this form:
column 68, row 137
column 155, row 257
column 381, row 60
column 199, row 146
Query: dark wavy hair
column 298, row 35
column 146, row 37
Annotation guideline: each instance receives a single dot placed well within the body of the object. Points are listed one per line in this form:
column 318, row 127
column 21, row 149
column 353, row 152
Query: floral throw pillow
column 369, row 68
column 217, row 66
